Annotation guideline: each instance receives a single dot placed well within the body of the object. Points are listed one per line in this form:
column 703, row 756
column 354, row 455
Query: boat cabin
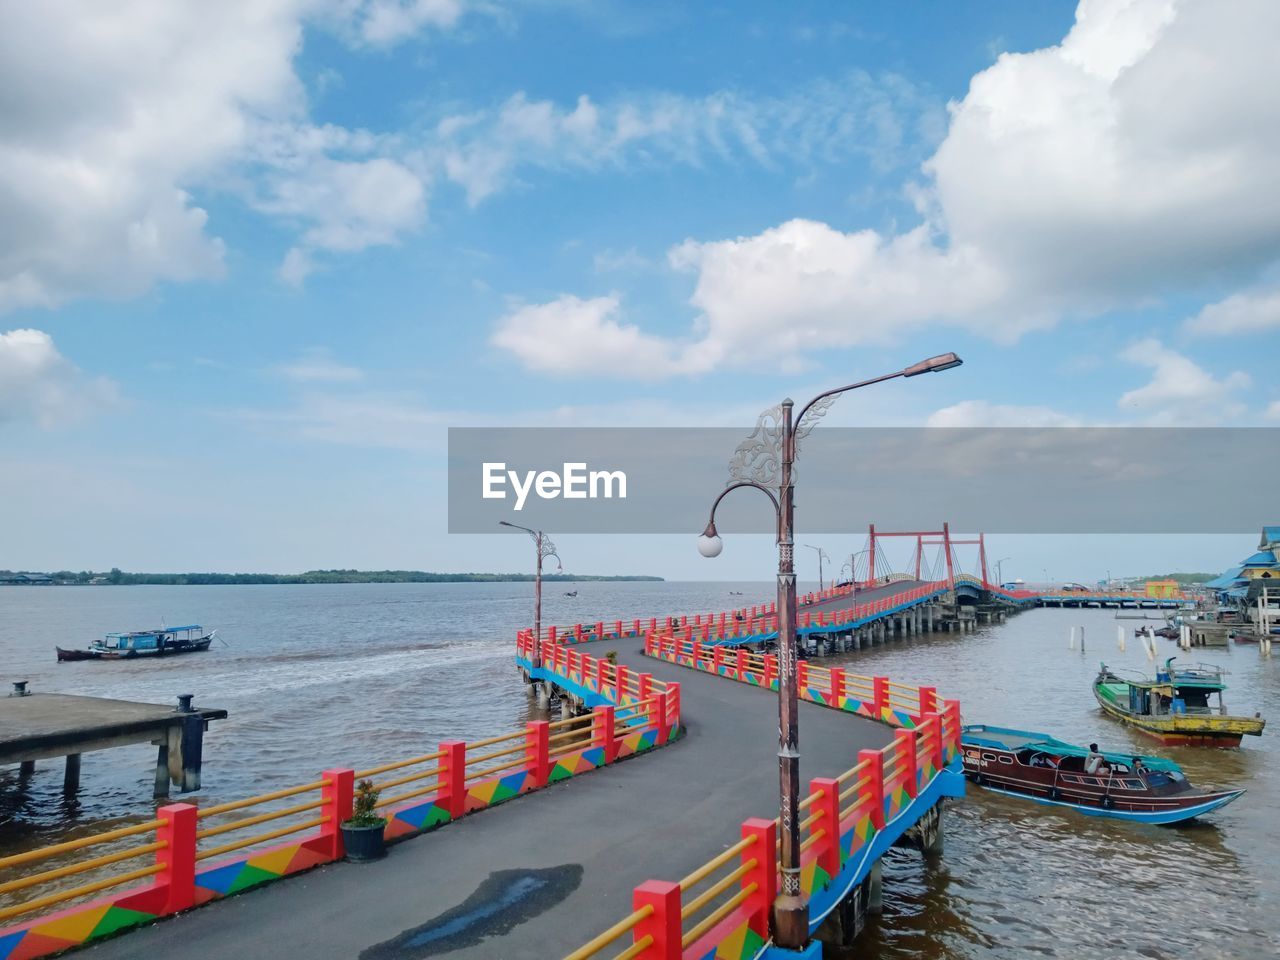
column 152, row 640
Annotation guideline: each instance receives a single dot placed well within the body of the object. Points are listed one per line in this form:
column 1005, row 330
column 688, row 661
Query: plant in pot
column 612, row 657
column 362, row 836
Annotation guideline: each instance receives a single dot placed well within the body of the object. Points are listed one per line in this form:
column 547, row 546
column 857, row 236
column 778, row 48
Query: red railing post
column 617, row 629
column 938, row 750
column 453, row 778
column 338, row 798
column 928, row 700
column 717, row 659
column 537, row 751
column 764, row 874
column 905, row 743
column 601, row 663
column 873, row 785
column 178, row 831
column 644, row 686
column 770, row 670
column 673, row 704
column 602, row 732
column 635, row 627
column 828, row 809
column 600, row 630
column 658, row 717
column 741, row 664
column 951, row 710
column 837, row 686
column 551, row 634
column 663, row 925
column 697, row 655
column 880, row 695
column 620, row 687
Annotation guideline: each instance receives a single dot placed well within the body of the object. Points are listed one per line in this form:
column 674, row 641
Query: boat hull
column 1122, row 796
column 198, row 645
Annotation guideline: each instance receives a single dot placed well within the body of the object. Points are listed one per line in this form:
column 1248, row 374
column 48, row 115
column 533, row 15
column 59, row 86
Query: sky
column 257, row 256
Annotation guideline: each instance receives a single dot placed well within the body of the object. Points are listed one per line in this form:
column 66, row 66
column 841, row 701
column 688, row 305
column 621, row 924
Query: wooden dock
column 43, row 726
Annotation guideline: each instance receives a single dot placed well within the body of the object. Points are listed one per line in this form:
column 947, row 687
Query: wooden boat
column 1175, row 707
column 1040, row 768
column 144, row 643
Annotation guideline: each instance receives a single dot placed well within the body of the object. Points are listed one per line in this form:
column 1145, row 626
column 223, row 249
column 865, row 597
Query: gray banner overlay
column 1053, row 480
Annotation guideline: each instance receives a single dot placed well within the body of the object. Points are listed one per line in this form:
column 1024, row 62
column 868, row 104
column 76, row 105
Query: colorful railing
column 747, row 625
column 721, row 909
column 191, row 855
column 876, row 698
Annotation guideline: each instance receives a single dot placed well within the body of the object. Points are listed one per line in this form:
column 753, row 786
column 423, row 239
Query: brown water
column 355, row 674
column 1020, row 879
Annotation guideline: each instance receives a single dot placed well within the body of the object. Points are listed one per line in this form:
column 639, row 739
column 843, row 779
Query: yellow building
column 1162, row 589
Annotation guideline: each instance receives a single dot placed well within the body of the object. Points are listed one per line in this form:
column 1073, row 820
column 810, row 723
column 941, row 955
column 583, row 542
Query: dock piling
column 71, row 775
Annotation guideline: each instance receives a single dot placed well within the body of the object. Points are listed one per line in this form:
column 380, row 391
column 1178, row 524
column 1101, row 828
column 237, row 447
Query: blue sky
column 258, row 258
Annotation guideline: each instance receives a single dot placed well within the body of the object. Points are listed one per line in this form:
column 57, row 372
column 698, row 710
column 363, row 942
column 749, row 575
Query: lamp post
column 821, row 554
column 764, row 461
column 999, row 575
column 543, row 548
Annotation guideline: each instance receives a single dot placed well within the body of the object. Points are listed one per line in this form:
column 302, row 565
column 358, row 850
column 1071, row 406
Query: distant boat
column 144, row 643
column 571, row 593
column 735, row 593
column 1175, row 707
column 1038, row 767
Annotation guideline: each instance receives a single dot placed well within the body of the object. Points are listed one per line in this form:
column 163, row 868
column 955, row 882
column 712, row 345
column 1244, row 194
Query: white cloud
column 1180, row 393
column 1133, row 160
column 318, row 366
column 38, row 383
column 576, row 336
column 1251, row 311
column 114, row 116
column 823, row 122
column 385, row 22
column 981, row 413
column 1273, row 410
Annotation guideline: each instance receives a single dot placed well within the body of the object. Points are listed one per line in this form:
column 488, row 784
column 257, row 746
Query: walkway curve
column 657, row 816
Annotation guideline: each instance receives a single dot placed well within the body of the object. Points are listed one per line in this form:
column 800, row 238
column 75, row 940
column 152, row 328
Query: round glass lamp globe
column 710, row 546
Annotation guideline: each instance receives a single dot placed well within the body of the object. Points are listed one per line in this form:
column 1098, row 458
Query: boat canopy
column 1006, row 738
column 154, row 633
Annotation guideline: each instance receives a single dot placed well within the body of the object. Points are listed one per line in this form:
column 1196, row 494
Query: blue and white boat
column 1038, row 767
column 144, row 643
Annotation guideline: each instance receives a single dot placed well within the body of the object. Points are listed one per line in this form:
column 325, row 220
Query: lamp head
column 944, row 361
column 710, row 544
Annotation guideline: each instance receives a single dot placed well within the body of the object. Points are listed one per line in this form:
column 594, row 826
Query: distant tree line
column 1184, row 577
column 117, row 576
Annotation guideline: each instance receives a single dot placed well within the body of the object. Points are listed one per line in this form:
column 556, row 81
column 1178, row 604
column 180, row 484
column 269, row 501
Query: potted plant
column 612, row 657
column 362, row 836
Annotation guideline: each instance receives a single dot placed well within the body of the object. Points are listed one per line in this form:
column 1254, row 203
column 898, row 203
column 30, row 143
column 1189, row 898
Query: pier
column 670, row 855
column 43, row 726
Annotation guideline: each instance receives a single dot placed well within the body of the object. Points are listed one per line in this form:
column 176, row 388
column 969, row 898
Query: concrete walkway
column 574, row 850
column 863, row 596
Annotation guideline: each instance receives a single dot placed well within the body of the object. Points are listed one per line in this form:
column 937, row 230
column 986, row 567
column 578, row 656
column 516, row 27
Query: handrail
column 41, row 853
column 719, row 860
column 626, row 924
column 388, row 767
column 260, row 798
column 717, row 915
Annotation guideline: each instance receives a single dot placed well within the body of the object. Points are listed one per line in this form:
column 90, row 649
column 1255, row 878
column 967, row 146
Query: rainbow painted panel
column 731, row 939
column 79, row 925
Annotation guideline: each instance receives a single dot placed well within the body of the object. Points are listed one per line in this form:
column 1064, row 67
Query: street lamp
column 764, row 461
column 851, row 563
column 544, row 548
column 999, row 575
column 821, row 554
